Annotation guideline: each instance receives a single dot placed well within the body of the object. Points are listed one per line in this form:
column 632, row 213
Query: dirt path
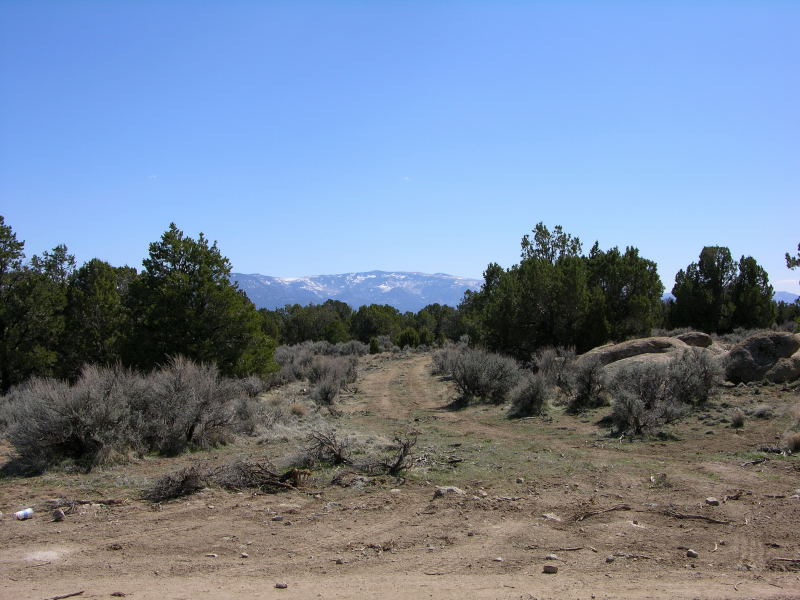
column 524, row 484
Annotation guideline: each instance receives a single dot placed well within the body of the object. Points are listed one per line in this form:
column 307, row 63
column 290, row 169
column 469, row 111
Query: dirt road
column 525, row 483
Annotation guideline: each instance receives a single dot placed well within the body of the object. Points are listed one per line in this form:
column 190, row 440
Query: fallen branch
column 757, row 461
column 61, row 597
column 586, row 515
column 797, row 560
column 71, row 504
column 675, row 514
column 572, row 549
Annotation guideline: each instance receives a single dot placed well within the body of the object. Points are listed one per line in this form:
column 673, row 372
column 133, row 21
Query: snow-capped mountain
column 787, row 297
column 403, row 290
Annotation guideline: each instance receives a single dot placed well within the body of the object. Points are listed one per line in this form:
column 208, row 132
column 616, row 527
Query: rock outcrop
column 651, row 345
column 772, row 355
column 696, row 338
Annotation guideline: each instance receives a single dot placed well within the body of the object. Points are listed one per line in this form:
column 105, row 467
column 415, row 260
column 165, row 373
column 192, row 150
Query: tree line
column 56, row 317
column 559, row 296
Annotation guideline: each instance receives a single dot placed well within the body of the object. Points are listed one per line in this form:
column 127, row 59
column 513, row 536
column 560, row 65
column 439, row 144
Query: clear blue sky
column 326, row 137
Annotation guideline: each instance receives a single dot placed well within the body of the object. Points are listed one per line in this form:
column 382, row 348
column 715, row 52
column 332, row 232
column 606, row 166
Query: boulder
column 695, row 338
column 785, row 369
column 652, row 345
column 448, row 490
column 760, row 357
column 642, row 359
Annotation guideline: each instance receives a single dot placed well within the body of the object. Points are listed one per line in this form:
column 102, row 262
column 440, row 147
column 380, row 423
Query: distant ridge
column 787, row 297
column 406, row 291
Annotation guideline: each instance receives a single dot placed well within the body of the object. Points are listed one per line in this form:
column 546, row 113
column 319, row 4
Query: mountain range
column 406, row 291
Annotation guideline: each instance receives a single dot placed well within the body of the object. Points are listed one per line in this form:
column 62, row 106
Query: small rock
column 281, row 585
column 287, row 523
column 692, row 553
column 712, row 501
column 339, row 561
column 210, row 507
column 211, row 555
column 551, row 517
column 277, row 518
column 520, row 480
column 550, row 569
column 58, row 515
column 244, row 555
column 610, row 558
column 470, row 533
column 498, row 559
column 551, row 557
column 394, row 491
column 449, row 490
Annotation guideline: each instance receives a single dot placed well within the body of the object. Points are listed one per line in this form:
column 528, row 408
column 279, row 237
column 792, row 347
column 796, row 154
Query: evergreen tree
column 185, row 304
column 95, row 316
column 702, row 292
column 751, row 295
column 32, row 301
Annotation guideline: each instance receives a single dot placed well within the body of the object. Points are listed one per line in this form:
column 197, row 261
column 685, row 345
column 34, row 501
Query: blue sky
column 326, row 137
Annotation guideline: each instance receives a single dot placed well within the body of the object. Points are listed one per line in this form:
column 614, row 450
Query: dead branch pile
column 400, row 460
column 177, row 484
column 325, row 446
column 236, row 476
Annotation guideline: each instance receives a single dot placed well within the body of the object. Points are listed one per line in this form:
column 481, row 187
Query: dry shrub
column 398, row 457
column 324, row 445
column 737, row 419
column 484, row 375
column 642, row 399
column 187, row 406
column 343, row 369
column 529, row 397
column 589, row 386
column 694, row 376
column 326, row 391
column 791, row 441
column 298, row 409
column 111, row 412
column 88, row 424
column 556, row 366
column 444, row 358
column 762, row 411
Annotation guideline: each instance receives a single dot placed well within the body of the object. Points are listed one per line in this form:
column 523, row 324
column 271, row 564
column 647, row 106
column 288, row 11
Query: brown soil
column 527, row 484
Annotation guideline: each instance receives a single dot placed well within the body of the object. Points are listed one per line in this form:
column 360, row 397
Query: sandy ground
column 527, row 486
